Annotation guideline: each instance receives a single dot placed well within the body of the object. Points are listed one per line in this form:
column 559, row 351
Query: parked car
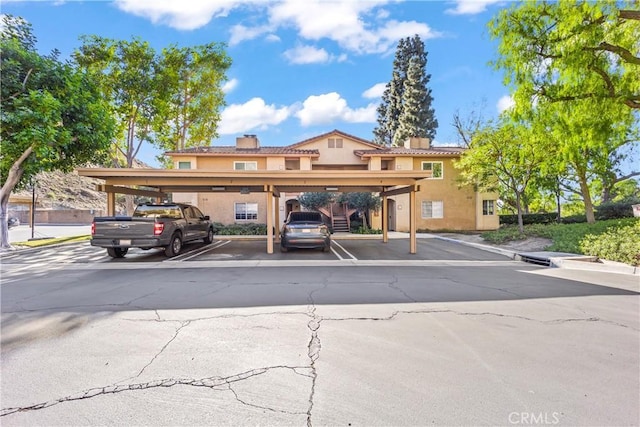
column 152, row 225
column 305, row 230
column 13, row 222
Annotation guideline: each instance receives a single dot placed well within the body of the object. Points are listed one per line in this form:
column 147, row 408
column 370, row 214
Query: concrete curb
column 506, row 252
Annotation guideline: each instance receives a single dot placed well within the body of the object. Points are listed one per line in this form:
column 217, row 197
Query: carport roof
column 209, row 180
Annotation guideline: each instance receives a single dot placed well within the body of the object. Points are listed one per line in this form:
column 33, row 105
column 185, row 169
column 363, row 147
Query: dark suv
column 305, row 230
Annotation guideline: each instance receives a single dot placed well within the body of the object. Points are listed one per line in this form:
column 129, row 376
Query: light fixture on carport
column 218, row 188
column 331, row 188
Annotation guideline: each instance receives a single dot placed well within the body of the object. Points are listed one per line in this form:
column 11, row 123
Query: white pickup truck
column 152, row 225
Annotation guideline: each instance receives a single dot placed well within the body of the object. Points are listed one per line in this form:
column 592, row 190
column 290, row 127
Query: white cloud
column 471, row 7
column 375, row 91
column 311, row 55
column 505, row 103
column 182, row 15
column 230, row 85
column 330, row 107
column 357, row 26
column 240, row 33
column 253, row 114
column 343, row 22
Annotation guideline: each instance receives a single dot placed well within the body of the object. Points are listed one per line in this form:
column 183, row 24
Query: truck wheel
column 174, row 246
column 117, row 252
column 209, row 237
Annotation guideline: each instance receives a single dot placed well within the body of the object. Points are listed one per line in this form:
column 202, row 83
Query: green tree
column 410, row 120
column 314, row 201
column 392, row 104
column 363, row 202
column 588, row 135
column 53, row 115
column 193, row 77
column 567, row 50
column 504, row 158
column 130, row 81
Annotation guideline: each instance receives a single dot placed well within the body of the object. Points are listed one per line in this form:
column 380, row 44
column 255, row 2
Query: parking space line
column 344, row 250
column 336, row 253
column 201, row 251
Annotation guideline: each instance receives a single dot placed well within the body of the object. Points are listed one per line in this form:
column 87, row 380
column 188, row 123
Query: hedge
column 537, row 218
column 620, row 244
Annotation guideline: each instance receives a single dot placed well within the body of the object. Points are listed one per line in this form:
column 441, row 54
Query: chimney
column 415, row 142
column 247, row 142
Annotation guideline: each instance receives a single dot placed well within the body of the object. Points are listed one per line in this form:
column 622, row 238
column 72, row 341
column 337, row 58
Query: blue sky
column 301, row 67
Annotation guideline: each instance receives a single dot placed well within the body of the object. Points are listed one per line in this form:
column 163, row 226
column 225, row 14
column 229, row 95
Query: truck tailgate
column 124, row 228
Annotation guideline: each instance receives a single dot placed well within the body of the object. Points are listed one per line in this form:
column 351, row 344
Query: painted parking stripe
column 344, row 250
column 189, row 255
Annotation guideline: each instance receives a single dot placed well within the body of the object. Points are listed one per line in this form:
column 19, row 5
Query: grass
column 45, row 242
column 565, row 237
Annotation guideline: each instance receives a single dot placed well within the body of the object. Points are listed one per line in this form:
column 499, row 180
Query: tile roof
column 401, row 151
column 335, row 131
column 232, row 150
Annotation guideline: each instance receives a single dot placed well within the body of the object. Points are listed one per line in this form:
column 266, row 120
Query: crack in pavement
column 314, row 346
column 183, row 325
column 394, row 285
column 462, row 313
column 262, row 407
column 214, row 383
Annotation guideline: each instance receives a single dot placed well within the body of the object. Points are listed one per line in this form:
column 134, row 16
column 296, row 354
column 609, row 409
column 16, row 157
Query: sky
column 300, row 68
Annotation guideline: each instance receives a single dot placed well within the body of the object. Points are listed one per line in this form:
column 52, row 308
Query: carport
column 159, row 182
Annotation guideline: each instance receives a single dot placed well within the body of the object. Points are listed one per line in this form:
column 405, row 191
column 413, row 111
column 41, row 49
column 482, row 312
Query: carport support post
column 385, row 220
column 111, row 204
column 412, row 222
column 277, row 219
column 270, row 220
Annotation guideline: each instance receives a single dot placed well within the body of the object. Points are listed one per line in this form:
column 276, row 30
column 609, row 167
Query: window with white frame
column 488, row 207
column 245, row 166
column 432, row 209
column 184, row 165
column 246, row 211
column 435, row 168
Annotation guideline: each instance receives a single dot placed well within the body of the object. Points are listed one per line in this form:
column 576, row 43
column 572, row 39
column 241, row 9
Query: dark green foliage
column 574, row 219
column 248, row 229
column 393, row 99
column 539, row 218
column 363, row 202
column 614, row 210
column 314, row 201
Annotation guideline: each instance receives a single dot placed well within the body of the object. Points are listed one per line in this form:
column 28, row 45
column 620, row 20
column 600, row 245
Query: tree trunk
column 13, row 178
column 586, row 197
column 519, row 207
column 558, row 206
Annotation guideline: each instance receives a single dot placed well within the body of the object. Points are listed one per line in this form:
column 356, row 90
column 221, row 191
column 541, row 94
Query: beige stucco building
column 440, row 203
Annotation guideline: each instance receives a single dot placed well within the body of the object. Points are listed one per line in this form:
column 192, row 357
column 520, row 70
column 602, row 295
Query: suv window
column 305, row 216
column 157, row 211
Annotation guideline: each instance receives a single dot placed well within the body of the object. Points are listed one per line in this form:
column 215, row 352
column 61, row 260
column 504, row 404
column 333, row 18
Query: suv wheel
column 209, row 237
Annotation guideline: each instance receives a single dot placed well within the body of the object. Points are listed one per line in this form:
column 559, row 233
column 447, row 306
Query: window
column 246, row 211
column 245, row 166
column 433, row 209
column 184, row 165
column 488, row 207
column 434, row 167
column 335, row 142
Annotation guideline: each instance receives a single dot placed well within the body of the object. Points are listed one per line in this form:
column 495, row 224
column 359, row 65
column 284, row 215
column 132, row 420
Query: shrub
column 574, row 219
column 248, row 229
column 362, row 230
column 616, row 210
column 537, row 218
column 620, row 244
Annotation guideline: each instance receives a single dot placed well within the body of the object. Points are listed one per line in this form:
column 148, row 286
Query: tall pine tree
column 410, row 120
column 394, row 98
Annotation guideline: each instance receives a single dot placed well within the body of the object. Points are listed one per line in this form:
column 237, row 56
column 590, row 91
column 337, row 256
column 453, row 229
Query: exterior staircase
column 339, row 215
